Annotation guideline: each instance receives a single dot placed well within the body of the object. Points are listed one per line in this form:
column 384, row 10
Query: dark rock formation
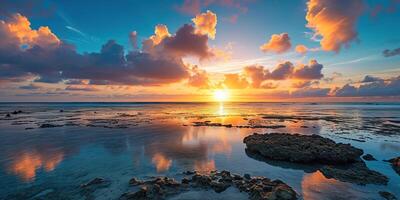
column 49, row 126
column 387, row 195
column 312, row 153
column 368, row 157
column 357, row 173
column 16, row 112
column 395, row 164
column 301, row 148
column 257, row 187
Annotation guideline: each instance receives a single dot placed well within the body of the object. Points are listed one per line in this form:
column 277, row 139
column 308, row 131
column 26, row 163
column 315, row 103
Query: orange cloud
column 160, row 32
column 206, row 24
column 199, row 78
column 301, row 49
column 19, row 27
column 235, row 81
column 333, row 21
column 278, row 43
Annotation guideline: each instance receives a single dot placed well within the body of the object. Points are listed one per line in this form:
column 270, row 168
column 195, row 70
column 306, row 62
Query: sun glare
column 221, row 95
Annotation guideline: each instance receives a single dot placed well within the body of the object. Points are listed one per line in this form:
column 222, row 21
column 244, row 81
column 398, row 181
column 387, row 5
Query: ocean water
column 118, row 141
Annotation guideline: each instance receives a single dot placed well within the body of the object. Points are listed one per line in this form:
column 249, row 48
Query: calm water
column 118, row 141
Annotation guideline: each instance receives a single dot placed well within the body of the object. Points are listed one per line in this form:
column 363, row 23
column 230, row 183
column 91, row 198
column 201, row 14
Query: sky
column 193, row 50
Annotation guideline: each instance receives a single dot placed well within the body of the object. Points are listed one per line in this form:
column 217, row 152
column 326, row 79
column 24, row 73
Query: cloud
column 17, row 32
column 160, row 32
column 257, row 74
column 311, row 92
column 30, row 87
column 206, row 23
column 304, row 84
column 47, row 59
column 235, row 81
column 187, row 43
column 376, row 88
column 281, row 72
column 81, row 88
column 199, row 78
column 133, row 39
column 390, row 53
column 333, row 21
column 335, row 75
column 369, row 78
column 277, row 44
column 301, row 49
column 308, row 72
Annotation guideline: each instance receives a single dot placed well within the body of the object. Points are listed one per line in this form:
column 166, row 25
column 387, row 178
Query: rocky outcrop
column 301, row 148
column 387, row 195
column 395, row 164
column 258, row 188
column 368, row 157
column 334, row 160
column 357, row 173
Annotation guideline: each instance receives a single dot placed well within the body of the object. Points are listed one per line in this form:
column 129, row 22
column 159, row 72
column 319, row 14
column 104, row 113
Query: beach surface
column 48, row 150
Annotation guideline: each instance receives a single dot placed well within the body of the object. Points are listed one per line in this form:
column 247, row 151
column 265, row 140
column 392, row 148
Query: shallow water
column 119, row 141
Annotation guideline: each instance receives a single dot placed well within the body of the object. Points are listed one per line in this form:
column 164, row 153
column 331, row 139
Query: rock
column 357, row 173
column 61, row 110
column 139, row 195
column 95, row 181
column 368, row 157
column 301, row 148
column 185, row 181
column 395, row 164
column 8, row 115
column 219, row 186
column 256, row 187
column 16, row 112
column 135, row 181
column 247, row 176
column 49, row 126
column 201, row 180
column 237, row 177
column 189, row 172
column 387, row 195
column 284, row 192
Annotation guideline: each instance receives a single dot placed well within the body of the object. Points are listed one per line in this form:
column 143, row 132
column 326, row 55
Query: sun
column 221, row 95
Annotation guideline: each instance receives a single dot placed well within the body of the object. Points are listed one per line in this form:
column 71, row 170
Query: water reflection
column 26, row 164
column 316, row 186
column 161, row 162
column 165, row 142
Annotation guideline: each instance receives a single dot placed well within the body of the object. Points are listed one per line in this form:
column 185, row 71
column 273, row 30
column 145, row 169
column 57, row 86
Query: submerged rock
column 135, row 181
column 387, row 195
column 49, row 126
column 16, row 112
column 357, row 173
column 301, row 148
column 395, row 164
column 368, row 157
column 95, row 181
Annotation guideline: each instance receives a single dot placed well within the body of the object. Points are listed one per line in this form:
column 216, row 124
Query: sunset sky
column 192, row 50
